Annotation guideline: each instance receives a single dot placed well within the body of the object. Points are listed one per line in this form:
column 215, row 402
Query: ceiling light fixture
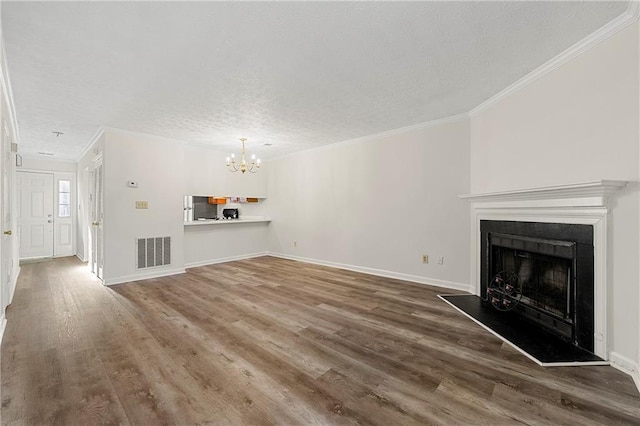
column 243, row 166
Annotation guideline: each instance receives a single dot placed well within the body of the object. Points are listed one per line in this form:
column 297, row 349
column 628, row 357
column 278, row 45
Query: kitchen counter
column 247, row 219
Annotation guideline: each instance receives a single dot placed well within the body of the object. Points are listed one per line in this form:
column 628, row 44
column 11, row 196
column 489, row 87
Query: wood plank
column 274, row 341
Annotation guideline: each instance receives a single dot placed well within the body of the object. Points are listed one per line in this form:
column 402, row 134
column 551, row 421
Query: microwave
column 230, row 213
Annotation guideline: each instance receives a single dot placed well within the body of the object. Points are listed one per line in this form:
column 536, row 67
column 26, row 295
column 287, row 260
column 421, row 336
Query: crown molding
column 631, row 15
column 92, row 141
column 394, row 132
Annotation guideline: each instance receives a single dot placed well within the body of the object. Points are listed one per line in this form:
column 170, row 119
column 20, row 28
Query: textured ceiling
column 296, row 75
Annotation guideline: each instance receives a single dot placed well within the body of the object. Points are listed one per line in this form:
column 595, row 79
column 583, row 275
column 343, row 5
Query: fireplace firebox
column 544, row 272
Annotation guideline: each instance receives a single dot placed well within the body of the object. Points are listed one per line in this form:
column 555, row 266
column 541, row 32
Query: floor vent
column 153, row 252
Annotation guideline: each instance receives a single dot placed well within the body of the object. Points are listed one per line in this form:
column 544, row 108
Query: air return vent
column 153, row 252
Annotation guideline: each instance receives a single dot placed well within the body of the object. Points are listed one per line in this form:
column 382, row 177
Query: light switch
column 142, row 204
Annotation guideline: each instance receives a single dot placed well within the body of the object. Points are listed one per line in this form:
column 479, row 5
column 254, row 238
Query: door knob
column 7, row 232
column 49, row 221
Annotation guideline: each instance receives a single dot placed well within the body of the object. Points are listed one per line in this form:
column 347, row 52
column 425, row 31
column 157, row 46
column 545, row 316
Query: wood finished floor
column 272, row 341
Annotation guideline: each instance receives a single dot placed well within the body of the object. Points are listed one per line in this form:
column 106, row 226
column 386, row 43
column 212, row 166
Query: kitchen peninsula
column 212, row 235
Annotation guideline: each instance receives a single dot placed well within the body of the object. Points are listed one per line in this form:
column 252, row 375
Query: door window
column 64, row 198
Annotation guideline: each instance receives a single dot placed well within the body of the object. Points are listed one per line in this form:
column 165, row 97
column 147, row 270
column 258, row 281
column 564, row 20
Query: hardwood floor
column 271, row 341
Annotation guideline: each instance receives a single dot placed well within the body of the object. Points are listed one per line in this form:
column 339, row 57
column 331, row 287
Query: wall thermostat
column 132, row 184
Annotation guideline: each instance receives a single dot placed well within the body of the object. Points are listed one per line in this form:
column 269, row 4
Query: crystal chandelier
column 243, row 166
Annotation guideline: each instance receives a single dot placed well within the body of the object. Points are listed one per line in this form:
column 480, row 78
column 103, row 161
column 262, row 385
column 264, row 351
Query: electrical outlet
column 425, row 258
column 441, row 260
column 295, row 244
column 142, row 204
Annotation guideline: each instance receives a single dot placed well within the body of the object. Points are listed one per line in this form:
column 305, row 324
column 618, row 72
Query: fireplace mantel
column 585, row 194
column 581, row 203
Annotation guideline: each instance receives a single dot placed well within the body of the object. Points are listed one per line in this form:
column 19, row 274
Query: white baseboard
column 626, row 365
column 3, row 326
column 224, row 259
column 79, row 256
column 382, row 273
column 144, row 276
column 14, row 284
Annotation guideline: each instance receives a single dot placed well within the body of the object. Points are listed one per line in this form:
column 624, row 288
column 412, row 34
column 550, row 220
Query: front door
column 35, row 214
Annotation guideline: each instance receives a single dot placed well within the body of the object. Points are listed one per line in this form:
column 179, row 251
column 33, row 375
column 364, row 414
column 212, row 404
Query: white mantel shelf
column 586, row 194
column 226, row 222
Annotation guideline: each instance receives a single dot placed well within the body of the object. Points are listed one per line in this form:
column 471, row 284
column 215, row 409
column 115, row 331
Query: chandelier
column 243, row 166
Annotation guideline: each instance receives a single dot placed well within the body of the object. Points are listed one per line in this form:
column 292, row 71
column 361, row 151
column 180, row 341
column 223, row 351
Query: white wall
column 207, row 175
column 48, row 165
column 578, row 123
column 378, row 204
column 157, row 165
column 207, row 244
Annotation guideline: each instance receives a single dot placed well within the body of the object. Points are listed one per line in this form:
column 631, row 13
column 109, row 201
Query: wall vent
column 153, row 252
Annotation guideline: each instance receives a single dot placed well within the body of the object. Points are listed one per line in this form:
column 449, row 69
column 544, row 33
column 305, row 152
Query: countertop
column 247, row 219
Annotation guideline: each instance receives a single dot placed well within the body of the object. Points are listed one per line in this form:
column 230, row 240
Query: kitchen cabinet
column 217, row 200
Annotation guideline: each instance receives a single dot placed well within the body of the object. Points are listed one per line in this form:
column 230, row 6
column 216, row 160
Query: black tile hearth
column 545, row 347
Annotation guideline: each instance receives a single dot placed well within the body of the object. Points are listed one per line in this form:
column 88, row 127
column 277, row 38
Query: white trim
column 92, row 142
column 3, row 326
column 45, row 158
column 592, row 40
column 14, row 284
column 381, row 273
column 627, row 366
column 388, row 133
column 583, row 194
column 8, row 92
column 224, row 259
column 523, row 352
column 143, row 276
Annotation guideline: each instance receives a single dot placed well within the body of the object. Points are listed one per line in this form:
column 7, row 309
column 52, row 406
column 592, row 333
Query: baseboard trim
column 224, row 259
column 143, row 276
column 626, row 365
column 380, row 273
column 3, row 326
column 14, row 284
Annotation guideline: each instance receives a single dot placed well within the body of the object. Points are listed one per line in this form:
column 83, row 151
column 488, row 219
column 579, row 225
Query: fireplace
column 542, row 271
column 563, row 231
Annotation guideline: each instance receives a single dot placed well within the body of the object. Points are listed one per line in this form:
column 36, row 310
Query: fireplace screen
column 542, row 272
column 545, row 280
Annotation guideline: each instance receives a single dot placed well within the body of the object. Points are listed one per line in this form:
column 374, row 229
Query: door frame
column 96, row 217
column 57, row 176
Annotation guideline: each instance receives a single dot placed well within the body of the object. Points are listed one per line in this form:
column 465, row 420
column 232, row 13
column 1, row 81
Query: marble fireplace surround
column 582, row 203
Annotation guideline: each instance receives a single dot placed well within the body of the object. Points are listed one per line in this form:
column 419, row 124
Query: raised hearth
column 540, row 345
